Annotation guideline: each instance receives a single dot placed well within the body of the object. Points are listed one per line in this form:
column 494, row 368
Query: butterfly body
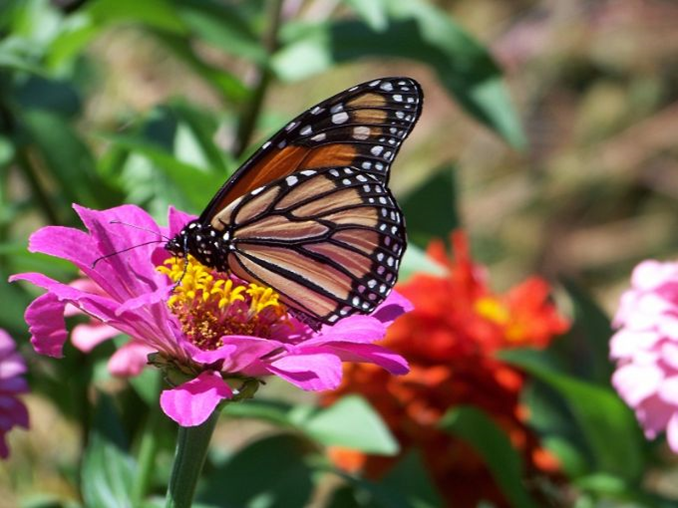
column 310, row 214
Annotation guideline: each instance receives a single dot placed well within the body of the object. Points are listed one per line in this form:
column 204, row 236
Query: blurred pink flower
column 212, row 331
column 13, row 412
column 128, row 360
column 646, row 348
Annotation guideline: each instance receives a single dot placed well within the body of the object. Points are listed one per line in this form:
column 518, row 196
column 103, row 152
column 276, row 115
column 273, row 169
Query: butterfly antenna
column 94, row 263
column 115, row 221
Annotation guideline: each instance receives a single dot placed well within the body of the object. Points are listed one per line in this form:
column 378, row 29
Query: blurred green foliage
column 156, row 102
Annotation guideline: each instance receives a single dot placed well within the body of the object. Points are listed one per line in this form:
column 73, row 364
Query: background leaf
column 272, row 470
column 351, row 422
column 473, row 426
column 602, row 417
column 108, row 471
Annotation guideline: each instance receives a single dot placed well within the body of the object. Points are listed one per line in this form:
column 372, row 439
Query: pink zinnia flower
column 13, row 412
column 210, row 334
column 646, row 348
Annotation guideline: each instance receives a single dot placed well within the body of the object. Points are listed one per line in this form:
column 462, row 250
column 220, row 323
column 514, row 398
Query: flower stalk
column 192, row 446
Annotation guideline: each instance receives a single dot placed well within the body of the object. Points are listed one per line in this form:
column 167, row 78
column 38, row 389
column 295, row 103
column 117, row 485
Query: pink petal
column 130, row 359
column 669, row 354
column 654, row 415
column 77, row 247
column 13, row 385
column 668, row 391
column 667, row 324
column 672, row 433
column 144, row 300
column 135, row 274
column 626, row 343
column 7, row 344
column 392, row 308
column 87, row 336
column 371, row 353
column 239, row 352
column 650, row 274
column 12, row 365
column 635, row 383
column 193, row 402
column 311, row 372
column 177, row 220
column 358, row 329
column 45, row 318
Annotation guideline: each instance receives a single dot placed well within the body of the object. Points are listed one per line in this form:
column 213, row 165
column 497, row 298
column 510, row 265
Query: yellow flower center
column 211, row 304
column 496, row 311
column 492, row 309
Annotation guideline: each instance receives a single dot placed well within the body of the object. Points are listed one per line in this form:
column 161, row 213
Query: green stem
column 147, row 453
column 248, row 120
column 192, row 445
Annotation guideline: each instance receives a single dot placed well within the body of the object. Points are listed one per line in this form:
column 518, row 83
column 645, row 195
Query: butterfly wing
column 362, row 127
column 328, row 241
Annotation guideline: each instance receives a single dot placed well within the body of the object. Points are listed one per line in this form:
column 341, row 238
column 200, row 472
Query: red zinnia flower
column 450, row 339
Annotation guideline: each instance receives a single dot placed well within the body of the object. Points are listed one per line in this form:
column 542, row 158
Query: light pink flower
column 13, row 412
column 646, row 348
column 131, row 295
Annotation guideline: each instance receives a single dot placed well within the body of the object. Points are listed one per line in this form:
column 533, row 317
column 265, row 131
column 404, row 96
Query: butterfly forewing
column 329, row 241
column 362, row 127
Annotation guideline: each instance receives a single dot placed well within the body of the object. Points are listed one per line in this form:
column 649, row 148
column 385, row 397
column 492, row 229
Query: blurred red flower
column 450, row 339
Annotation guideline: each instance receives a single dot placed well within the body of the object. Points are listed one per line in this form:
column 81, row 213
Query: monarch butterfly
column 309, row 214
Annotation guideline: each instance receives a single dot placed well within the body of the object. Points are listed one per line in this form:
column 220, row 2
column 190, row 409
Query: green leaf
column 373, row 12
column 68, row 160
column 430, row 210
column 194, row 139
column 607, row 424
column 146, row 384
column 160, row 14
column 505, row 464
column 14, row 303
column 365, row 493
column 415, row 260
column 222, row 27
column 271, row 472
column 417, row 31
column 409, row 479
column 351, row 422
column 186, row 186
column 228, row 85
column 76, row 33
column 276, row 412
column 107, row 469
column 55, row 96
column 587, row 344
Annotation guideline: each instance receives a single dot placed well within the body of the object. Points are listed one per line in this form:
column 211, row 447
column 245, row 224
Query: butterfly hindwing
column 329, row 241
column 362, row 127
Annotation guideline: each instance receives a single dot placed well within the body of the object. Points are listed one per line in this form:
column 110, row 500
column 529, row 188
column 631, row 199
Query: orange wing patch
column 362, row 127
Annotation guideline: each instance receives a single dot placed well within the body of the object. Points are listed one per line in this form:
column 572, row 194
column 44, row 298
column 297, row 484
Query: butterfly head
column 178, row 245
column 201, row 241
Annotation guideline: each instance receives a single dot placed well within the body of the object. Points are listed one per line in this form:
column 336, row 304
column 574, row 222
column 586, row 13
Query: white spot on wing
column 339, row 118
column 361, row 132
